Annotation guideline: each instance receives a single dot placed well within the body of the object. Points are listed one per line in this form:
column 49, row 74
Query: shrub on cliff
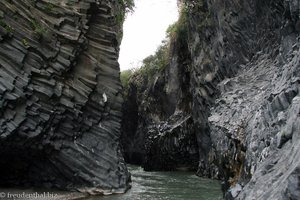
column 125, row 76
column 154, row 63
column 150, row 66
column 127, row 6
column 178, row 30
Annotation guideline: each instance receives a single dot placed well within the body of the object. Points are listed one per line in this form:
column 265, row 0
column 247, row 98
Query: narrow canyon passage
column 219, row 99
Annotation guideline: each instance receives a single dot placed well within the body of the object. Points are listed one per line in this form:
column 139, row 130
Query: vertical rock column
column 60, row 100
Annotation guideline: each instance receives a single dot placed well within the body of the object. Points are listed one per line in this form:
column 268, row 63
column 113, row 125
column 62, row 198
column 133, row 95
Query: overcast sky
column 145, row 29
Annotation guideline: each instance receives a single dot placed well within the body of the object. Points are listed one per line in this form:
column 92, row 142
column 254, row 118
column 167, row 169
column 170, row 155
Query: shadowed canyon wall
column 231, row 84
column 60, row 95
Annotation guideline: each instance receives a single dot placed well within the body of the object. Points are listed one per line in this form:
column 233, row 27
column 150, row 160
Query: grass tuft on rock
column 38, row 28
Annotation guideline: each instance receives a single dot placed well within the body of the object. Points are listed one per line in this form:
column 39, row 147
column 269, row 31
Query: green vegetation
column 160, row 59
column 153, row 64
column 25, row 42
column 125, row 76
column 198, row 9
column 150, row 66
column 157, row 62
column 7, row 27
column 127, row 6
column 38, row 28
column 178, row 30
column 49, row 7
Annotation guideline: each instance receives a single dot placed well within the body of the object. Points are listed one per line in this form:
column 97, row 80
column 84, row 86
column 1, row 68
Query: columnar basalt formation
column 242, row 93
column 60, row 95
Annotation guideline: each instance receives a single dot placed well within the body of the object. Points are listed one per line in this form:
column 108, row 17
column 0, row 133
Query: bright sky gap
column 145, row 29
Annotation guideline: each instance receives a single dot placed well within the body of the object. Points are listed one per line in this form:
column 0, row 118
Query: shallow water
column 167, row 186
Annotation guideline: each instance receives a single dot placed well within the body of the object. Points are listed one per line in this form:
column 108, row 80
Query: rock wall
column 160, row 134
column 242, row 60
column 60, row 95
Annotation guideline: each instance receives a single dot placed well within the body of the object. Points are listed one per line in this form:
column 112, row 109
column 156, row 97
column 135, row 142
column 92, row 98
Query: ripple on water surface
column 167, row 186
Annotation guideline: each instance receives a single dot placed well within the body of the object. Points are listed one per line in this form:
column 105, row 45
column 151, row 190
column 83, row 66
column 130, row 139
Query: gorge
column 220, row 97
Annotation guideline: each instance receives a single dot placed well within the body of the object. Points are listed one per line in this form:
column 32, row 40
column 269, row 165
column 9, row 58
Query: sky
column 144, row 30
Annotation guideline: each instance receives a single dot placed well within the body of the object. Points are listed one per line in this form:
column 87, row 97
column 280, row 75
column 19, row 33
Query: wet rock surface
column 60, row 95
column 241, row 95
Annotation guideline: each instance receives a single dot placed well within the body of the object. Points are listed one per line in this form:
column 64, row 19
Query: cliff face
column 239, row 81
column 60, row 95
column 160, row 134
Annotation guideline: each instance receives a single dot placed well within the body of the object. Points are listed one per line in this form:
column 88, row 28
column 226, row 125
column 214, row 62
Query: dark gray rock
column 172, row 145
column 160, row 134
column 277, row 175
column 242, row 89
column 60, row 95
column 243, row 92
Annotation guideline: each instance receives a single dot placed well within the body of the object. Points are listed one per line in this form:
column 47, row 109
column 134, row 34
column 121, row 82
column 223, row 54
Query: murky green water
column 145, row 186
column 168, row 186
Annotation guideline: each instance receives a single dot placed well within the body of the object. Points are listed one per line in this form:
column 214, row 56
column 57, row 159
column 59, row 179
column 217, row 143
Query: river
column 167, row 186
column 145, row 186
